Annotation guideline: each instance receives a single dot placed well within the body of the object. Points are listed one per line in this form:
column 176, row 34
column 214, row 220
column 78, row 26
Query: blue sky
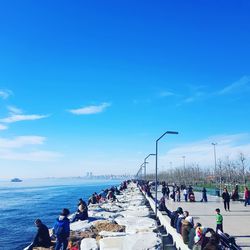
column 90, row 85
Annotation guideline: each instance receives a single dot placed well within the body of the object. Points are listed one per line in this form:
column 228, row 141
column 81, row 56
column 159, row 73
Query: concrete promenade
column 236, row 222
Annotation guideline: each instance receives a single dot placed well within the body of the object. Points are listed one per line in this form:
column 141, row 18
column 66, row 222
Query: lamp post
column 156, row 165
column 215, row 165
column 215, row 162
column 145, row 164
column 141, row 169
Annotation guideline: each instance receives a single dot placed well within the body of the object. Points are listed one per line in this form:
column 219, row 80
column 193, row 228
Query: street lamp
column 215, row 162
column 156, row 164
column 139, row 173
column 145, row 164
column 141, row 169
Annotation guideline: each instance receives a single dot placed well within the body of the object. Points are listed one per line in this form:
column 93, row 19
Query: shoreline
column 125, row 222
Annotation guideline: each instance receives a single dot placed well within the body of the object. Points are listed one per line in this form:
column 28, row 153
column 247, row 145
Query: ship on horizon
column 16, row 180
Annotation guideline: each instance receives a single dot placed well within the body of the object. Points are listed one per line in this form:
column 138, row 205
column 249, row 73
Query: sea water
column 23, row 202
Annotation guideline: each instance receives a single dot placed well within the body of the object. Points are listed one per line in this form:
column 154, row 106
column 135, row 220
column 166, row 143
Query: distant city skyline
column 89, row 86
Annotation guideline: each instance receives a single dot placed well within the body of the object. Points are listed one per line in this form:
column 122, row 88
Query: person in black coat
column 42, row 238
column 226, row 199
column 204, row 195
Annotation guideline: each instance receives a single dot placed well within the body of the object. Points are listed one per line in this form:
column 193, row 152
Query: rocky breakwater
column 123, row 224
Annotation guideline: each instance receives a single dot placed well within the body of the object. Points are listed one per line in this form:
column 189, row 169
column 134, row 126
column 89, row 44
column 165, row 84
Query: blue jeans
column 247, row 202
column 61, row 243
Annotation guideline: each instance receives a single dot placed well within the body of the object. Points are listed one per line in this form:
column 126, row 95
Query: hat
column 179, row 210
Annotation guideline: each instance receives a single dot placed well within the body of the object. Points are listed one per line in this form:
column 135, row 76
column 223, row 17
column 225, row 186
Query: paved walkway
column 236, row 222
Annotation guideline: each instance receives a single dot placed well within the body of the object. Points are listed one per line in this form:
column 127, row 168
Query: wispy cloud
column 3, row 127
column 22, row 148
column 5, row 93
column 201, row 152
column 195, row 94
column 90, row 109
column 21, row 141
column 16, row 115
column 17, row 118
column 14, row 110
column 241, row 85
column 36, row 156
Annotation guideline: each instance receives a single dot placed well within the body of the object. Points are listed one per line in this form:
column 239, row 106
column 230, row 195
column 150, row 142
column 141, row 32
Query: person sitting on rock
column 73, row 244
column 42, row 238
column 92, row 199
column 174, row 216
column 111, row 196
column 213, row 243
column 82, row 211
column 162, row 204
column 187, row 225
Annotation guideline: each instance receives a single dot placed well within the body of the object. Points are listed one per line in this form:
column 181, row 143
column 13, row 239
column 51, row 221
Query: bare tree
column 242, row 160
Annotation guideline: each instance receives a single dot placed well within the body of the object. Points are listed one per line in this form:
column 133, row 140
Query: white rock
column 89, row 244
column 140, row 241
column 144, row 212
column 80, row 225
column 107, row 215
column 142, row 221
column 111, row 234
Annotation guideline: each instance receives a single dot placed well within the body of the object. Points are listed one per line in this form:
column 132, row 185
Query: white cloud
column 90, row 109
column 16, row 115
column 241, row 85
column 5, row 93
column 14, row 110
column 37, row 156
column 23, row 148
column 3, row 127
column 201, row 152
column 19, row 117
column 21, row 141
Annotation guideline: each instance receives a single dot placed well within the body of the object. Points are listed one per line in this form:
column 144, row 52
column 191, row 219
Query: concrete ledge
column 165, row 221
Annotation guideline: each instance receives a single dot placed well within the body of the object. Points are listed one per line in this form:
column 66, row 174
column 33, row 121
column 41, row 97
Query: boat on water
column 16, row 180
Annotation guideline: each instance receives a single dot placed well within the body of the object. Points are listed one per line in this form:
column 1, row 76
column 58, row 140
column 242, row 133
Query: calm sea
column 21, row 203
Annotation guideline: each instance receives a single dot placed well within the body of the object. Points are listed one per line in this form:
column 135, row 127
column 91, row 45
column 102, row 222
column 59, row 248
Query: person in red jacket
column 247, row 196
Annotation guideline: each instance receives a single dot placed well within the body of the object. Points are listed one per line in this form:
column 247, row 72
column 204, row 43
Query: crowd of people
column 193, row 234
column 175, row 194
column 61, row 229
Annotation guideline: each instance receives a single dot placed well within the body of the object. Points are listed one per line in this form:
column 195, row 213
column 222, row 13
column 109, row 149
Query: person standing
column 164, row 190
column 185, row 193
column 42, row 238
column 62, row 230
column 167, row 191
column 173, row 194
column 219, row 220
column 178, row 194
column 226, row 198
column 204, row 195
column 247, row 196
